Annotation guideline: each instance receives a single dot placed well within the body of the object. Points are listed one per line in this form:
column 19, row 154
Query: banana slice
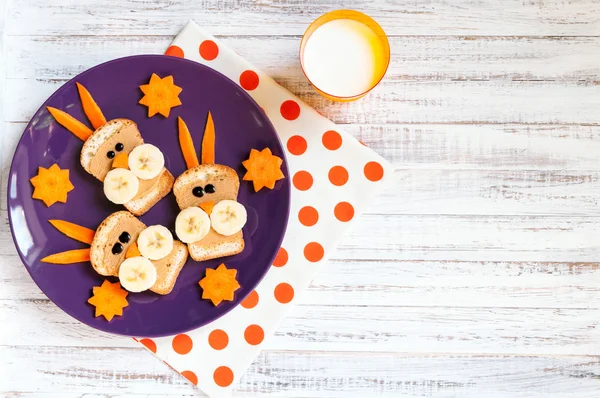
column 155, row 242
column 137, row 274
column 120, row 186
column 146, row 161
column 228, row 217
column 192, row 224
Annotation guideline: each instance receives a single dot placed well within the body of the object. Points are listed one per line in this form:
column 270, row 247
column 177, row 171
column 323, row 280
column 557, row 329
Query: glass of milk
column 344, row 54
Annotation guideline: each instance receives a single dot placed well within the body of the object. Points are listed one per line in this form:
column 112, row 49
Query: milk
column 344, row 58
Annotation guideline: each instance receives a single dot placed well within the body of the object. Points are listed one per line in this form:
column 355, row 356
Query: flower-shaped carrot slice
column 51, row 185
column 109, row 299
column 219, row 284
column 160, row 95
column 264, row 169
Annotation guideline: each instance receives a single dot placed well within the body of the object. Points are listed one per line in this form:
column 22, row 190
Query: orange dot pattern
column 249, row 80
column 251, row 300
column 338, row 175
column 175, row 51
column 182, row 344
column 373, row 171
column 297, row 145
column 314, row 252
column 281, row 259
column 218, row 339
column 302, row 180
column 223, row 376
column 284, row 293
column 254, row 335
column 191, row 376
column 344, row 211
column 290, row 110
column 308, row 216
column 332, row 140
column 149, row 344
column 209, row 50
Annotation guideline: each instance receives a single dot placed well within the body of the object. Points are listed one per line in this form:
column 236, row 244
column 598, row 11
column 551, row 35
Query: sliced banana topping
column 192, row 224
column 155, row 242
column 228, row 217
column 146, row 161
column 120, row 186
column 137, row 274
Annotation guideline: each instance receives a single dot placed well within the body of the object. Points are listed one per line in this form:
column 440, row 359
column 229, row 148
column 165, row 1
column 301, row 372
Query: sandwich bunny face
column 133, row 172
column 211, row 219
column 143, row 258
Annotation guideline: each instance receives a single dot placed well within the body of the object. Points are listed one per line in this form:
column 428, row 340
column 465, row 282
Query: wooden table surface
column 475, row 274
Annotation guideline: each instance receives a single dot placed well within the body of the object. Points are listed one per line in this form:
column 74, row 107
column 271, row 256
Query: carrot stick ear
column 74, row 231
column 187, row 145
column 90, row 107
column 208, row 142
column 79, row 129
column 68, row 257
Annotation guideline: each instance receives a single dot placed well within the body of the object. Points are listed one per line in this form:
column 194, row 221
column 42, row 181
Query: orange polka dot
column 290, row 110
column 218, row 339
column 223, row 376
column 284, row 293
column 373, row 171
column 281, row 259
column 343, row 211
column 149, row 344
column 191, row 376
column 174, row 51
column 209, row 50
column 302, row 180
column 254, row 334
column 338, row 175
column 296, row 145
column 308, row 216
column 249, row 80
column 251, row 300
column 182, row 344
column 313, row 252
column 332, row 140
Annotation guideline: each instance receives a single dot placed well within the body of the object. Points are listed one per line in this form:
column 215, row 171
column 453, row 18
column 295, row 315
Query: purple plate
column 240, row 125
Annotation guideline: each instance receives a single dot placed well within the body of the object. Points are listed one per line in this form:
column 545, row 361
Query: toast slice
column 106, row 263
column 226, row 183
column 95, row 160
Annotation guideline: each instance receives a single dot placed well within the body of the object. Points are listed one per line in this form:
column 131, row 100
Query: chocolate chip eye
column 110, row 154
column 119, row 147
column 210, row 188
column 117, row 248
column 198, row 192
column 124, row 237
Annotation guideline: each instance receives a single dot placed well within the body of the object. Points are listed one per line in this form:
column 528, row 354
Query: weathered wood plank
column 395, row 327
column 436, row 58
column 471, row 102
column 274, row 17
column 307, row 374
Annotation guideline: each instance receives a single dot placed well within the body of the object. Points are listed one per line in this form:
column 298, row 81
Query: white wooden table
column 475, row 274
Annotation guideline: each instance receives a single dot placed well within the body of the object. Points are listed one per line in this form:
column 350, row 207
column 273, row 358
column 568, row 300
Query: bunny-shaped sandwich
column 211, row 219
column 144, row 258
column 133, row 172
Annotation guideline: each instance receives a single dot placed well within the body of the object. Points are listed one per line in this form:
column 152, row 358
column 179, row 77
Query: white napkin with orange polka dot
column 334, row 177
